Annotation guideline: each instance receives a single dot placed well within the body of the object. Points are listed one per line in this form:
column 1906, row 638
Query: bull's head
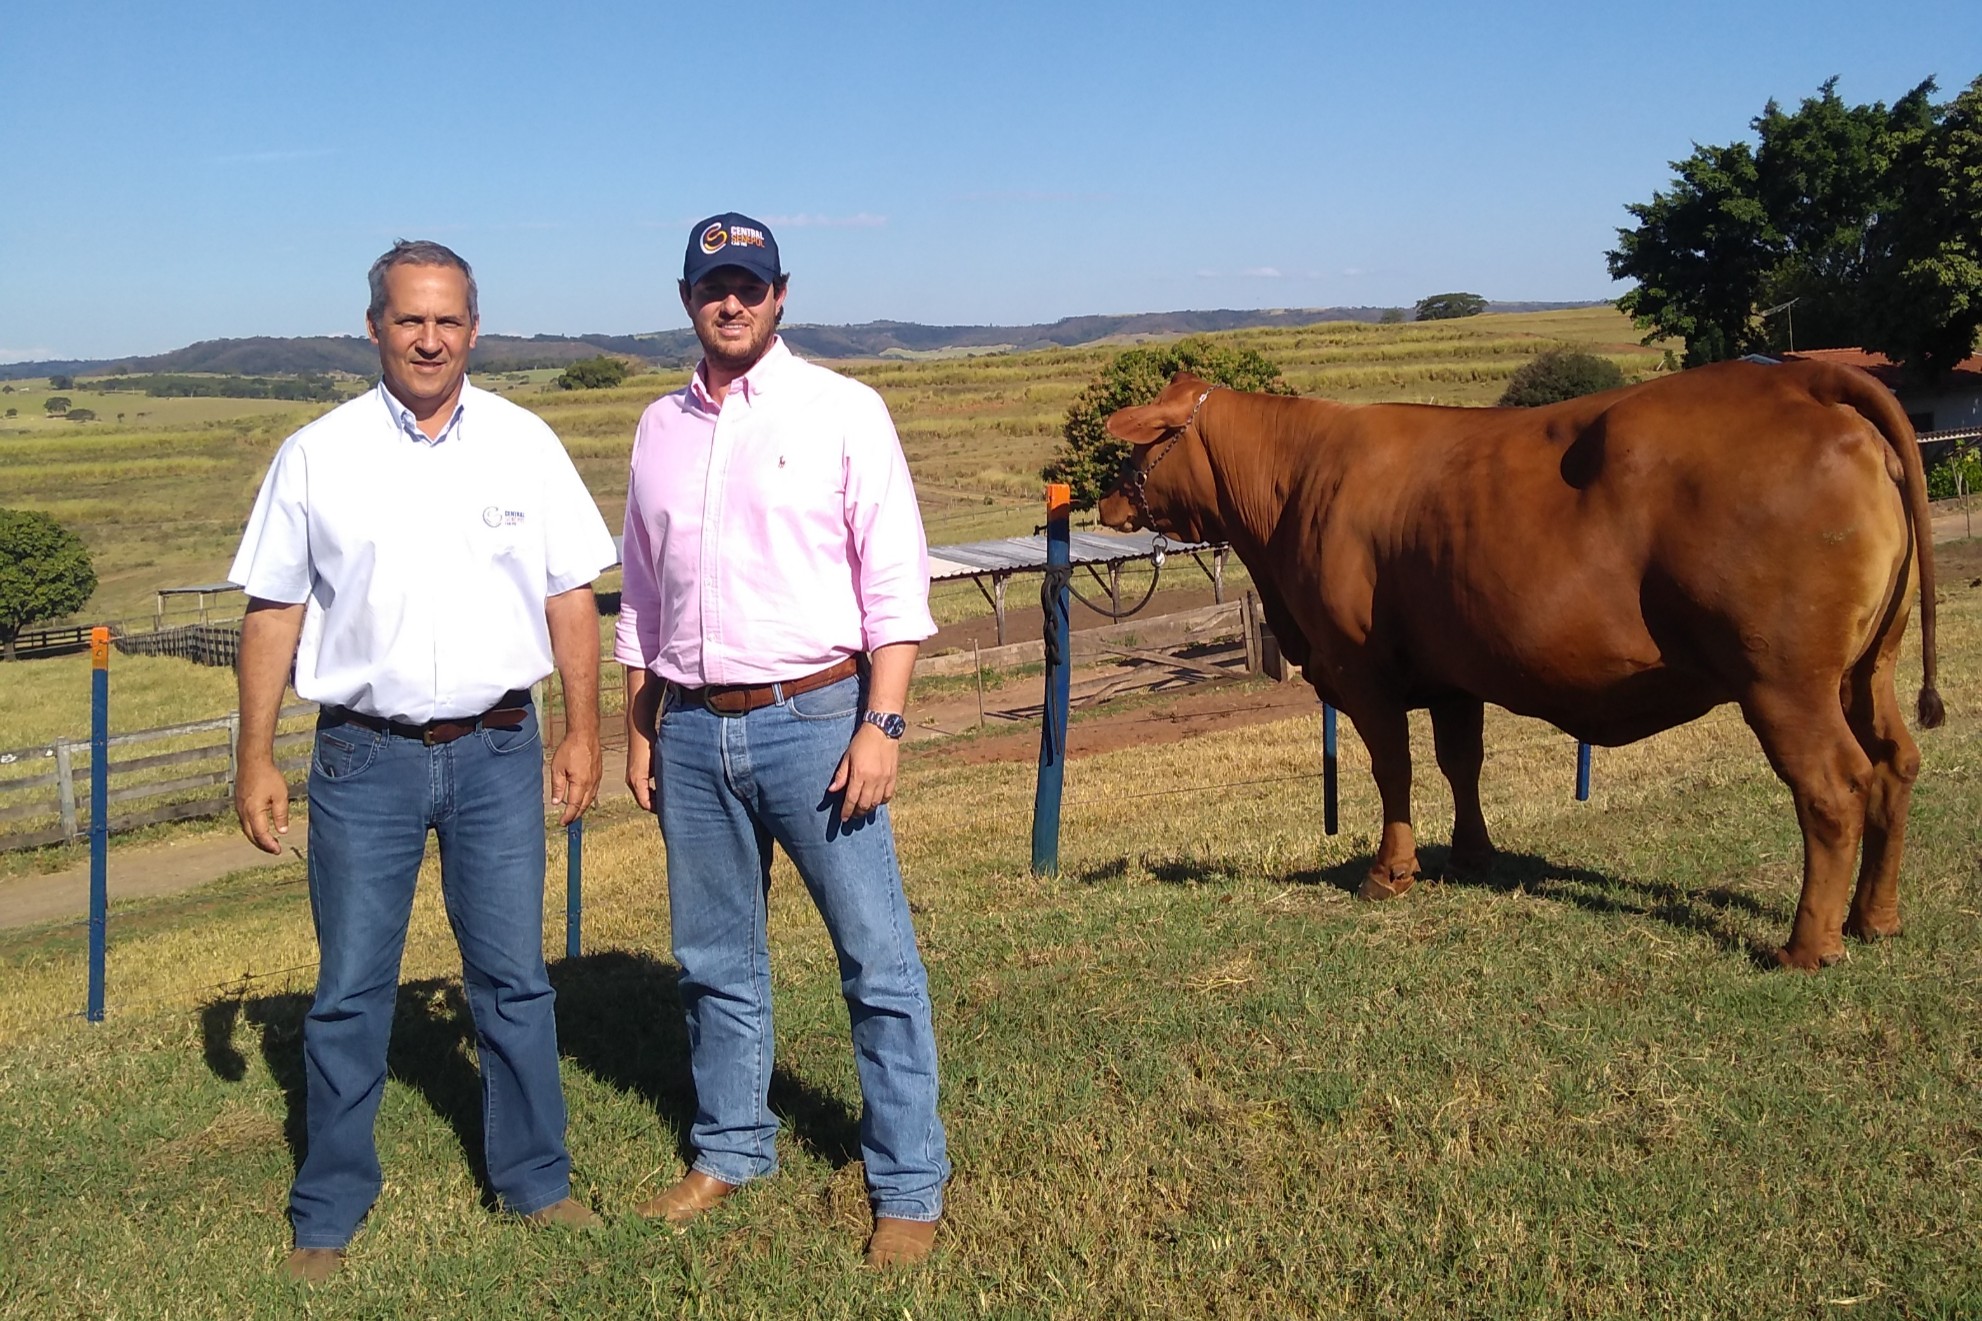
column 1165, row 484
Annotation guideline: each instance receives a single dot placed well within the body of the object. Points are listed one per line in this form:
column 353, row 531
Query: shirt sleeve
column 273, row 562
column 636, row 636
column 890, row 552
column 577, row 546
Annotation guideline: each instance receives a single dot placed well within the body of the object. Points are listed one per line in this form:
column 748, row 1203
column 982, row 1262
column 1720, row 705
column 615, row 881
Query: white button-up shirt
column 424, row 563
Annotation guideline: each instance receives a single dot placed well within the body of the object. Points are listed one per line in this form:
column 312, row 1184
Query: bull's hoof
column 1380, row 884
column 1471, row 863
column 1805, row 961
column 1869, row 929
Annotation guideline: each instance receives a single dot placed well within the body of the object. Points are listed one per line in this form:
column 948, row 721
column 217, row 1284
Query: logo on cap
column 713, row 238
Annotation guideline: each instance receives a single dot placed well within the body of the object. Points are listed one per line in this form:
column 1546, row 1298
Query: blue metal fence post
column 1582, row 772
column 99, row 816
column 574, row 892
column 1328, row 764
column 1053, row 730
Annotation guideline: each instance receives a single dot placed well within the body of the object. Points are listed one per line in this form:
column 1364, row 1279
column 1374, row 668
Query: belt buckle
column 427, row 734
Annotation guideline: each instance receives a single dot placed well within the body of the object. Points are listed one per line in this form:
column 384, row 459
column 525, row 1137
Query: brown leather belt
column 505, row 714
column 735, row 699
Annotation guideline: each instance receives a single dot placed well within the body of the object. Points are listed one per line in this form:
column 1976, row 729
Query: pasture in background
column 161, row 499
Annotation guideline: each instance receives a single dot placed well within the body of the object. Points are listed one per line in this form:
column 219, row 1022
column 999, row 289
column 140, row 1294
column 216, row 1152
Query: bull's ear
column 1142, row 424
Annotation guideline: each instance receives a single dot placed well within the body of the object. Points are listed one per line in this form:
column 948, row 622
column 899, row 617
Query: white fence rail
column 186, row 771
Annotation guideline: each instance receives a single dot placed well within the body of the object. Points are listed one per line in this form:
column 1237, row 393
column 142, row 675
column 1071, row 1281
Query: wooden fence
column 44, row 791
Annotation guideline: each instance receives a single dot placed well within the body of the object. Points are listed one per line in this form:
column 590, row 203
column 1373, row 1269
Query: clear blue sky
column 190, row 171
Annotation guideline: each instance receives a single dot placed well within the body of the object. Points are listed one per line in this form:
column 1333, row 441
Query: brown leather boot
column 696, row 1193
column 313, row 1265
column 567, row 1214
column 900, row 1242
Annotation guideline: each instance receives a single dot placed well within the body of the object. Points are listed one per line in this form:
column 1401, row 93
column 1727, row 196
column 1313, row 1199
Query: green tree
column 1088, row 457
column 61, row 382
column 45, row 572
column 1810, row 223
column 13, row 412
column 1699, row 255
column 57, row 404
column 1927, row 291
column 600, row 373
column 82, row 415
column 1390, row 316
column 1446, row 307
column 1558, row 374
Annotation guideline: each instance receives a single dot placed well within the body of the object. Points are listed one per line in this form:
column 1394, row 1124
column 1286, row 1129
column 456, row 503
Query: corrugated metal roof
column 967, row 559
column 1017, row 554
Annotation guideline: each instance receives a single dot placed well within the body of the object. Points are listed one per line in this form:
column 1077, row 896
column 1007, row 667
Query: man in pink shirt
column 776, row 591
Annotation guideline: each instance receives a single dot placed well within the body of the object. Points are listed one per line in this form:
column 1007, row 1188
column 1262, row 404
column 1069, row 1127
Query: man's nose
column 429, row 341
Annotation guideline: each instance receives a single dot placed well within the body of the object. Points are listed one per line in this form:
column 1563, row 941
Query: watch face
column 888, row 723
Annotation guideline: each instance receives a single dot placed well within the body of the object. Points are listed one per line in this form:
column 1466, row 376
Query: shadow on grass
column 619, row 1019
column 1717, row 912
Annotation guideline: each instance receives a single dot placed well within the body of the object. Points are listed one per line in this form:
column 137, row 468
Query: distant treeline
column 309, row 388
column 674, row 348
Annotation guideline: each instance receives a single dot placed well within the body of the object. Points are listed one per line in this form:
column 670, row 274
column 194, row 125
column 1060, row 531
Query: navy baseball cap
column 731, row 240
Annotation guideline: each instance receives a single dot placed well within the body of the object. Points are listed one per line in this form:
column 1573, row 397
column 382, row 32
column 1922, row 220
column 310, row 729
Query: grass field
column 161, row 497
column 1189, row 1078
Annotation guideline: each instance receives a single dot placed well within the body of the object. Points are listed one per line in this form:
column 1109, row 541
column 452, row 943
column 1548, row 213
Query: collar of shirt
column 753, row 382
column 410, row 425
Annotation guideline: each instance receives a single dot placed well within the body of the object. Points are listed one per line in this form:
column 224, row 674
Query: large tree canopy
column 1838, row 227
column 45, row 572
column 1088, row 457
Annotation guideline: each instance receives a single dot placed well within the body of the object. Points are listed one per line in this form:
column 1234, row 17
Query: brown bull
column 1615, row 565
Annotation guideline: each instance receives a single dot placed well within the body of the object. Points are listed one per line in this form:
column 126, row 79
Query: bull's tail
column 1878, row 406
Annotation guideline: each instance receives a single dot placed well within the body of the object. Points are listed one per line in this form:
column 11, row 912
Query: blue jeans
column 373, row 797
column 729, row 786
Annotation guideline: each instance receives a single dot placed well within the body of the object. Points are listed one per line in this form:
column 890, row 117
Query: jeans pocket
column 836, row 701
column 505, row 742
column 346, row 752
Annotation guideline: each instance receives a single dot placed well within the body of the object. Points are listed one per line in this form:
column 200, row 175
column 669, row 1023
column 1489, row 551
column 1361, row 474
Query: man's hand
column 643, row 709
column 866, row 772
column 268, row 648
column 576, row 769
column 261, row 801
column 576, row 766
column 640, row 773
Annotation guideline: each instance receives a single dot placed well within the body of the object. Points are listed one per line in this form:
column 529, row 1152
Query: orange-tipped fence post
column 1053, row 728
column 99, row 815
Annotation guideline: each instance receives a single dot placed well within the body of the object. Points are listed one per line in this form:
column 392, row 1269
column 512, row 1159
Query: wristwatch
column 887, row 722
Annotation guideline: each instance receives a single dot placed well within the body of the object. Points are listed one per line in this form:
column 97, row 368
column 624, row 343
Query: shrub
column 45, row 572
column 57, row 404
column 1941, row 478
column 1446, row 307
column 1088, row 457
column 1558, row 374
column 600, row 373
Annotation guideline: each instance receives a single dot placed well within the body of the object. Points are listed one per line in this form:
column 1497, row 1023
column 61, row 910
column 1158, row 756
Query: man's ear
column 371, row 328
column 686, row 306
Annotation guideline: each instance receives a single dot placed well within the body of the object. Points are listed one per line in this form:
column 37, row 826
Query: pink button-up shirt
column 772, row 535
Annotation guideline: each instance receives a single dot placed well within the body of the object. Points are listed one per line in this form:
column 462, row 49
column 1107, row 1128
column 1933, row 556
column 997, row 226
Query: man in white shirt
column 424, row 554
